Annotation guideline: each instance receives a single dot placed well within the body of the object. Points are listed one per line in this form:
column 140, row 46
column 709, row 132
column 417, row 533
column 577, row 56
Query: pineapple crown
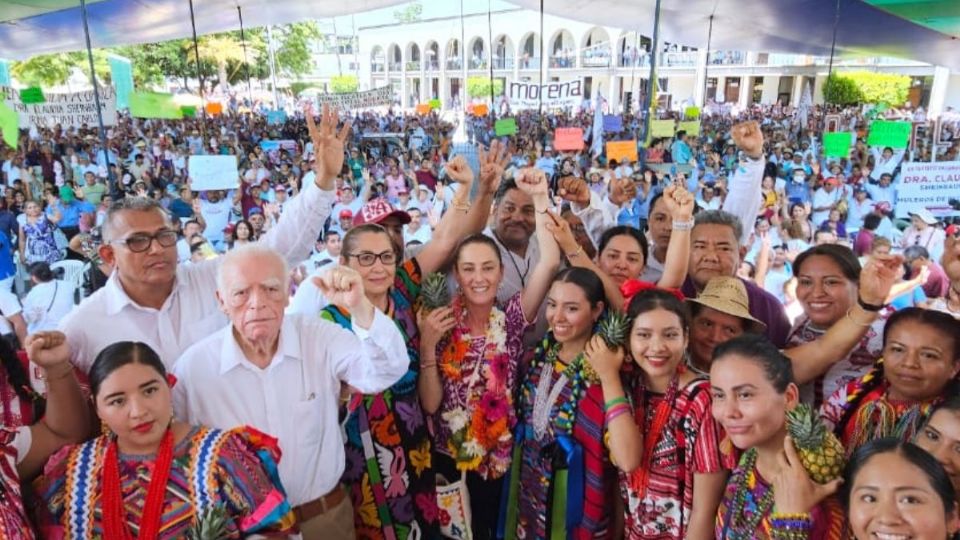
column 613, row 328
column 805, row 426
column 434, row 292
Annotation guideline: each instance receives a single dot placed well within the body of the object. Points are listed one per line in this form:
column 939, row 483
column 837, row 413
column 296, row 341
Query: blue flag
column 121, row 72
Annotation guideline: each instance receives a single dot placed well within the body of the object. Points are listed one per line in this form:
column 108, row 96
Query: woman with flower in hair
column 470, row 354
column 921, row 359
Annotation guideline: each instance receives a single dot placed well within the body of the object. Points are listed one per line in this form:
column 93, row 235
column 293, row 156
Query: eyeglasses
column 367, row 258
column 138, row 243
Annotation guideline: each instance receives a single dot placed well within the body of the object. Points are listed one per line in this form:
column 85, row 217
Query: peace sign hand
column 492, row 164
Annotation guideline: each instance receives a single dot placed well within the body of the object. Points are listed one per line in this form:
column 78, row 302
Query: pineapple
column 820, row 451
column 434, row 292
column 210, row 525
column 613, row 329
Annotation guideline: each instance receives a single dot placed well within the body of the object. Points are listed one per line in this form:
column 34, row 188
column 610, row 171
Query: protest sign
column 275, row 118
column 154, row 105
column 481, row 109
column 837, row 144
column 661, row 128
column 189, row 111
column 692, row 127
column 71, row 110
column 622, row 151
column 9, row 125
column 272, row 148
column 506, row 126
column 213, row 172
column 612, row 122
column 671, row 168
column 434, row 103
column 121, row 74
column 892, row 134
column 692, row 112
column 423, row 108
column 358, row 100
column 214, row 108
column 928, row 185
column 32, row 95
column 523, row 95
column 568, row 139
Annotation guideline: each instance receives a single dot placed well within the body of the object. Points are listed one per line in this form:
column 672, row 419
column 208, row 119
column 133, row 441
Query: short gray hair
column 719, row 217
column 248, row 251
column 128, row 204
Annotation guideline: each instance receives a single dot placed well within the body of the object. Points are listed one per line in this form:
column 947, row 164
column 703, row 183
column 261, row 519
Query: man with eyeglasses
column 148, row 298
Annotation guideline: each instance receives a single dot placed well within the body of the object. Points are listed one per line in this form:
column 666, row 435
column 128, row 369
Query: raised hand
column 459, row 170
column 574, row 189
column 328, row 145
column 434, row 325
column 604, row 361
column 562, row 233
column 532, row 181
column 48, row 349
column 748, row 137
column 622, row 190
column 877, row 278
column 492, row 164
column 342, row 286
column 793, row 490
column 950, row 261
column 680, row 202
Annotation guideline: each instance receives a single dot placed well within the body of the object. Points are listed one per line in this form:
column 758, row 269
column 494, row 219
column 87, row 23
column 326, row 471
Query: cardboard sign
column 692, row 112
column 662, row 128
column 189, row 111
column 32, row 95
column 892, row 134
column 612, row 123
column 71, row 110
column 9, row 125
column 423, row 108
column 568, row 139
column 506, row 126
column 481, row 110
column 622, row 151
column 214, row 108
column 213, row 172
column 154, row 105
column 928, row 186
column 692, row 127
column 377, row 97
column 837, row 144
column 434, row 103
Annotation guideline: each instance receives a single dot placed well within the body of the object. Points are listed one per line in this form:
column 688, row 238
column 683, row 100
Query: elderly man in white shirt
column 149, row 298
column 283, row 374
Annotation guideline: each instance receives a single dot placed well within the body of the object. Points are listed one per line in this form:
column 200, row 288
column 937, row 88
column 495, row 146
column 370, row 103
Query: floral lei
column 578, row 372
column 485, row 423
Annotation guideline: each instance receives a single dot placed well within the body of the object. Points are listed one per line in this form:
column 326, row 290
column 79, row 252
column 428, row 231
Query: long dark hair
column 653, row 299
column 477, row 238
column 119, row 354
column 841, row 255
column 758, row 349
column 587, row 280
column 19, row 379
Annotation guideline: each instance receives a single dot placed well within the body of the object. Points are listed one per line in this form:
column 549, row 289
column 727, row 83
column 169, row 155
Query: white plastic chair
column 72, row 271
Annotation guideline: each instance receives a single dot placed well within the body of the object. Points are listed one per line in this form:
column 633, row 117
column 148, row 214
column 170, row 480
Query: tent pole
column 833, row 50
column 273, row 66
column 542, row 68
column 196, row 53
column 246, row 61
column 706, row 68
column 654, row 47
column 111, row 181
column 490, row 41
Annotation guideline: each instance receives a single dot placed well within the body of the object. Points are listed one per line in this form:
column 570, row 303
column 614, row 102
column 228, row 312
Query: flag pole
column 111, row 181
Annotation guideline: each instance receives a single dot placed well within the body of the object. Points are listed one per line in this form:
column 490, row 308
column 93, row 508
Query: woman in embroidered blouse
column 921, row 359
column 470, row 356
column 668, row 455
column 24, row 449
column 769, row 494
column 152, row 477
column 893, row 489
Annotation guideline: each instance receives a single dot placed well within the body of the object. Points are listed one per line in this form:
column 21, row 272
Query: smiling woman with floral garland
column 470, row 352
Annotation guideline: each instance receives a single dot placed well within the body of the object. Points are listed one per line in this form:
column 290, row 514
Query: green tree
column 344, row 84
column 479, row 87
column 841, row 90
column 411, row 13
column 221, row 50
column 882, row 87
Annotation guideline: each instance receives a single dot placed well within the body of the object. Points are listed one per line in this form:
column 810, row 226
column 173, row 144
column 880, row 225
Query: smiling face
column 747, row 404
column 515, row 219
column 622, row 258
column 893, row 499
column 823, row 291
column 569, row 313
column 919, row 361
column 378, row 277
column 657, row 343
column 941, row 437
column 134, row 402
column 478, row 271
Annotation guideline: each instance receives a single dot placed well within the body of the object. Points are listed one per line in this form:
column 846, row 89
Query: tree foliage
column 866, row 87
column 479, row 87
column 411, row 13
column 840, row 90
column 343, row 84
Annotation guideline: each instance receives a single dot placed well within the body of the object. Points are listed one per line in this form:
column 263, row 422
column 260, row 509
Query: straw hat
column 728, row 295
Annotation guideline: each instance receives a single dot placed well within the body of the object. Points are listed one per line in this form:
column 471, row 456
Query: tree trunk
column 222, row 75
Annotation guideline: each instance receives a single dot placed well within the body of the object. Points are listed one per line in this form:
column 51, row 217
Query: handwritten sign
column 377, row 97
column 481, row 109
column 434, row 103
column 70, row 110
column 214, row 108
column 213, row 172
column 661, row 128
column 568, row 139
column 892, row 134
column 506, row 126
column 691, row 127
column 622, row 151
column 837, row 144
column 692, row 112
column 423, row 109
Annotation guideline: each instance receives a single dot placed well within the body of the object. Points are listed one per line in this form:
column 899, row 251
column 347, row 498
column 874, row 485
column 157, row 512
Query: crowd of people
column 386, row 332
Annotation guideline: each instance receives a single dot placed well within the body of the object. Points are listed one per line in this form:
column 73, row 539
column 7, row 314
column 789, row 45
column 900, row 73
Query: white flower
column 456, row 419
column 474, row 448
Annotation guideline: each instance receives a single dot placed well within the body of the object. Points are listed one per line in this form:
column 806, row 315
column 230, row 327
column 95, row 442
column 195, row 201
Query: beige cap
column 728, row 295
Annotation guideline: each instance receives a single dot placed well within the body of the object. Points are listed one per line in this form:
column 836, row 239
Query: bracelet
column 790, row 526
column 433, row 365
column 683, row 225
column 868, row 307
column 575, row 254
column 617, row 410
column 860, row 324
column 609, row 405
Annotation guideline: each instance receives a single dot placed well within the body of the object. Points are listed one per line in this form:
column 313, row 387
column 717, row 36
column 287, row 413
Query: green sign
column 692, row 127
column 9, row 125
column 434, row 103
column 692, row 112
column 153, row 105
column 507, row 126
column 32, row 95
column 189, row 110
column 837, row 144
column 892, row 134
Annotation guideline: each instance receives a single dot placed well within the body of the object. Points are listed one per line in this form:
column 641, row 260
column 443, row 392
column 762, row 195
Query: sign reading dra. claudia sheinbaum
column 554, row 95
column 930, row 186
column 69, row 110
column 358, row 100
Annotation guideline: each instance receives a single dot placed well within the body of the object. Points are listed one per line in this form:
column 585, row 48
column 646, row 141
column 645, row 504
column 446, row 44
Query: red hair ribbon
column 633, row 287
column 171, row 380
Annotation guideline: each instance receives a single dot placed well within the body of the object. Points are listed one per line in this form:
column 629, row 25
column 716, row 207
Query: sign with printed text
column 555, row 95
column 692, row 127
column 71, row 110
column 379, row 97
column 837, row 144
column 928, row 185
column 892, row 134
column 213, row 172
column 622, row 151
column 32, row 95
column 506, row 126
column 662, row 128
column 612, row 122
column 568, row 139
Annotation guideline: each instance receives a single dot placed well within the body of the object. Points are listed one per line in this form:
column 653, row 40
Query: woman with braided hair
column 921, row 359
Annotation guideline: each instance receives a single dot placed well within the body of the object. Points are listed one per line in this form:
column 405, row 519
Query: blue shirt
column 680, row 152
column 70, row 213
column 7, row 268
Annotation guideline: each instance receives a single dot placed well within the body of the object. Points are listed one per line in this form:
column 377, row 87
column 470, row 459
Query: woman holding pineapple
column 921, row 359
column 672, row 473
column 782, row 488
column 470, row 353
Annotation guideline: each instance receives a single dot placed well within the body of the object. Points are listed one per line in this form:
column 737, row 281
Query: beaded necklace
column 545, row 394
column 734, row 528
column 883, row 417
column 653, row 431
